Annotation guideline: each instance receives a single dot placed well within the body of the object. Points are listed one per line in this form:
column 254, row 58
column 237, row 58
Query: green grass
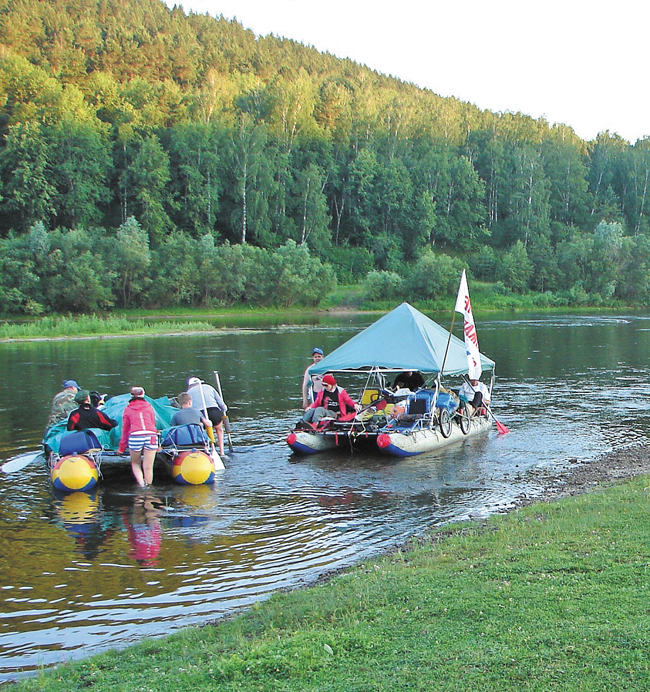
column 550, row 597
column 485, row 297
column 93, row 325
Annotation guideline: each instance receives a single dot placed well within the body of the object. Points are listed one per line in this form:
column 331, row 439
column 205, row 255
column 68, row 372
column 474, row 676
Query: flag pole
column 451, row 329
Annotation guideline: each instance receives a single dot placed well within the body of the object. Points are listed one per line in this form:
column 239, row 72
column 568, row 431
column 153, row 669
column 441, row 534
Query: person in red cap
column 332, row 402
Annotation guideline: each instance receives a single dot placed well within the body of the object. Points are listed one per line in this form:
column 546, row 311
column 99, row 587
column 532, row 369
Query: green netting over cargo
column 114, row 409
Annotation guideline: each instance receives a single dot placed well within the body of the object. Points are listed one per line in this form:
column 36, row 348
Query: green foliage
column 148, row 176
column 174, row 272
column 81, row 163
column 26, row 170
column 296, row 277
column 349, row 263
column 383, row 285
column 130, row 258
column 433, row 276
column 484, row 264
column 76, row 276
column 516, row 268
column 195, row 126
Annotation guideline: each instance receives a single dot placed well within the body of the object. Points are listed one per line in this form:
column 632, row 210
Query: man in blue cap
column 63, row 403
column 314, row 384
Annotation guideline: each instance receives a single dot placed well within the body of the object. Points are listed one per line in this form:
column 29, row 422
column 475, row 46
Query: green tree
column 75, row 277
column 194, row 162
column 383, row 285
column 175, row 265
column 563, row 156
column 516, row 268
column 311, row 208
column 433, row 276
column 149, row 176
column 131, row 259
column 25, row 163
column 289, row 265
column 20, row 282
column 245, row 158
column 606, row 259
column 529, row 196
column 81, row 163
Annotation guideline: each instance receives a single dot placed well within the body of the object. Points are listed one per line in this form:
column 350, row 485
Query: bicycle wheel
column 464, row 422
column 445, row 422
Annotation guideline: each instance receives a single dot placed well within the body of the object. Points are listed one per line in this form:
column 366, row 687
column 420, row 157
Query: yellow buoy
column 193, row 468
column 75, row 472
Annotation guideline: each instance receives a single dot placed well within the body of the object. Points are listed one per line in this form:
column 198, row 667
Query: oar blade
column 501, row 428
column 19, row 463
column 216, row 460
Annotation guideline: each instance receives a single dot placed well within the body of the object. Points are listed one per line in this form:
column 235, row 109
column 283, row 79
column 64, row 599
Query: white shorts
column 140, row 441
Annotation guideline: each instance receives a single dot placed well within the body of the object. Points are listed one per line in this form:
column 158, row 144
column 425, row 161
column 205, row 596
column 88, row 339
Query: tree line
column 121, row 113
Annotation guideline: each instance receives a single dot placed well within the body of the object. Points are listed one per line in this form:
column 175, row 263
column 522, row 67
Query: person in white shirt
column 207, row 400
column 475, row 393
column 311, row 386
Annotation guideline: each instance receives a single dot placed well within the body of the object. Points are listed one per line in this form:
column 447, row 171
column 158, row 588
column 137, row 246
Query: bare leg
column 220, row 438
column 149, row 456
column 136, row 467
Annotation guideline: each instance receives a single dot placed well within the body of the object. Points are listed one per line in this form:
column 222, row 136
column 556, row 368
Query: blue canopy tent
column 404, row 339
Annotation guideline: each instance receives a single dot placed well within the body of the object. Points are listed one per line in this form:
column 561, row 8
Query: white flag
column 464, row 306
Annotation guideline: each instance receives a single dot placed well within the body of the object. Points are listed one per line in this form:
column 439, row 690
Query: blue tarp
column 404, row 339
column 114, row 408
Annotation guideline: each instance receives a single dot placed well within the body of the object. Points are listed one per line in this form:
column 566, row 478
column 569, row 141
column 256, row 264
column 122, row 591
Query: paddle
column 501, row 428
column 226, row 421
column 19, row 463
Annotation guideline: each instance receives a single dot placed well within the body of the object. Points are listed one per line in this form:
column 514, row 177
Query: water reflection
column 144, row 528
column 106, row 568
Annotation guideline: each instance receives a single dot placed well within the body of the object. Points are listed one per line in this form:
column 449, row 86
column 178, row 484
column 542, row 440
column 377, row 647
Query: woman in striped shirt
column 139, row 434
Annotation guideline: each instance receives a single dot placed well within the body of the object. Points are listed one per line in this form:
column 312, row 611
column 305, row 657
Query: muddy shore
column 586, row 476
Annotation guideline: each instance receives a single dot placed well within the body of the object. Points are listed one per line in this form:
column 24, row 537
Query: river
column 84, row 572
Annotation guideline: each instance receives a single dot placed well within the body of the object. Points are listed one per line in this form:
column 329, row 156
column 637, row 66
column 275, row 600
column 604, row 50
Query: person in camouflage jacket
column 63, row 403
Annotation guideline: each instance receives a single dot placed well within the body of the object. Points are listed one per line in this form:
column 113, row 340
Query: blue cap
column 70, row 383
column 317, row 350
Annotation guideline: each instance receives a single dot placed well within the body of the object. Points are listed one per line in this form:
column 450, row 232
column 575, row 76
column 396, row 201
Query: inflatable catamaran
column 75, row 459
column 401, row 423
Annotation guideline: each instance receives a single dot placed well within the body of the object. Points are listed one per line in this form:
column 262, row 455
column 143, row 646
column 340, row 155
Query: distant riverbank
column 194, row 320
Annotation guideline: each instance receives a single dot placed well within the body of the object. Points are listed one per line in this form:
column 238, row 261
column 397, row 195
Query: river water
column 84, row 572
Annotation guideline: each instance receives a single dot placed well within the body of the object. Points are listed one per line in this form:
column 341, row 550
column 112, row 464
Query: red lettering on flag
column 470, row 333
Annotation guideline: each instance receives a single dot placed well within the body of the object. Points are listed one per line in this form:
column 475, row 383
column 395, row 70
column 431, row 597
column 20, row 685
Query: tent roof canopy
column 403, row 339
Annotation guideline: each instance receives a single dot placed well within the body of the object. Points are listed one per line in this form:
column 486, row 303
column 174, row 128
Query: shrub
column 433, row 276
column 380, row 285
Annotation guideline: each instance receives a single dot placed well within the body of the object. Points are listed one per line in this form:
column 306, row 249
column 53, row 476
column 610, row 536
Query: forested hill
column 129, row 127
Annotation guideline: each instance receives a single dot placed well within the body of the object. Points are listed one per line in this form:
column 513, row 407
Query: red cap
column 328, row 379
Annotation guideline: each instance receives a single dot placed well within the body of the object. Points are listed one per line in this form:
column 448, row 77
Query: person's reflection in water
column 144, row 528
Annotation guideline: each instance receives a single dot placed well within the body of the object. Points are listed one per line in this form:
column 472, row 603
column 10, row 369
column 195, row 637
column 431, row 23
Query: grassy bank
column 485, row 298
column 94, row 325
column 550, row 597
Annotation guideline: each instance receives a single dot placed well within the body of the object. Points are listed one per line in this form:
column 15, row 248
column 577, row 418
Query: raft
column 402, row 423
column 75, row 459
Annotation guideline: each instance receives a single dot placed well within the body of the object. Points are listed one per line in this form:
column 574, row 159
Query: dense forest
column 149, row 158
